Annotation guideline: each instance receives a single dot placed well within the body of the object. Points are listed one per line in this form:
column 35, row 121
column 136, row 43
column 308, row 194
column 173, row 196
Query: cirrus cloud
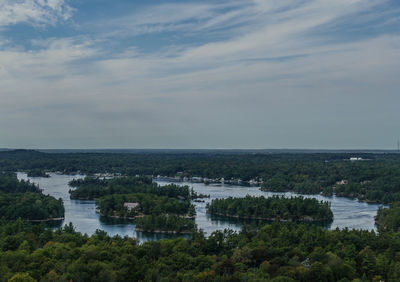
column 34, row 12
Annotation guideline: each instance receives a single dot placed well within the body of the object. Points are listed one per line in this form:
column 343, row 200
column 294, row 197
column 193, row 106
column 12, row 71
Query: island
column 37, row 173
column 155, row 208
column 93, row 188
column 139, row 204
column 273, row 209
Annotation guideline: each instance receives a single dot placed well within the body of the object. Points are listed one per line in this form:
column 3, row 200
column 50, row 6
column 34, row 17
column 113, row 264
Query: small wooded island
column 91, row 188
column 21, row 199
column 132, row 205
column 37, row 173
column 274, row 209
column 155, row 208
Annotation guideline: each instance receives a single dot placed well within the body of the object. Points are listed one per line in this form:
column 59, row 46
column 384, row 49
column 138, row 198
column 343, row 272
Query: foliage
column 389, row 218
column 37, row 173
column 166, row 223
column 277, row 252
column 30, row 206
column 273, row 208
column 21, row 199
column 376, row 178
column 113, row 205
column 90, row 188
column 10, row 184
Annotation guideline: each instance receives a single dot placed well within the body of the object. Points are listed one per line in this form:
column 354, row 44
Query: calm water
column 347, row 213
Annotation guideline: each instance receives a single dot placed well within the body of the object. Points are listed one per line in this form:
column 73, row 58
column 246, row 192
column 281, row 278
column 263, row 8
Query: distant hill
column 19, row 154
column 218, row 151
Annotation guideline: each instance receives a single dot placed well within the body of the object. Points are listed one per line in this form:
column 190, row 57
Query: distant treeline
column 37, row 173
column 273, row 208
column 374, row 178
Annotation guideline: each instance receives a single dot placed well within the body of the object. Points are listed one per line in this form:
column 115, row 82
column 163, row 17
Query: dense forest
column 113, row 205
column 374, row 178
column 93, row 188
column 281, row 251
column 389, row 218
column 165, row 223
column 30, row 206
column 21, row 199
column 10, row 184
column 276, row 252
column 273, row 208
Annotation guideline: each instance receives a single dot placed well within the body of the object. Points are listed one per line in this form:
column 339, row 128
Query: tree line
column 389, row 218
column 376, row 178
column 22, row 199
column 274, row 252
column 93, row 188
column 165, row 223
column 273, row 208
column 113, row 205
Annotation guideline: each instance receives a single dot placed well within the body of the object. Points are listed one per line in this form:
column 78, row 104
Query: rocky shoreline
column 163, row 231
column 47, row 220
column 304, row 219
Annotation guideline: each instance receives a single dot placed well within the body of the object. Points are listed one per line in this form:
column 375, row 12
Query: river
column 348, row 213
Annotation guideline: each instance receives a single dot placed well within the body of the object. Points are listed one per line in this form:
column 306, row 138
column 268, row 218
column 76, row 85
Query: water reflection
column 347, row 212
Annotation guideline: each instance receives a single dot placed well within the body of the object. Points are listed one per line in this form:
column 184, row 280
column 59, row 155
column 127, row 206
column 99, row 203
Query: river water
column 347, row 212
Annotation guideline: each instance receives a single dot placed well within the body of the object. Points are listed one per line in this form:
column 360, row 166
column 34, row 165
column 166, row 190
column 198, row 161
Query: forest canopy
column 276, row 252
column 22, row 199
column 94, row 188
column 273, row 208
column 389, row 218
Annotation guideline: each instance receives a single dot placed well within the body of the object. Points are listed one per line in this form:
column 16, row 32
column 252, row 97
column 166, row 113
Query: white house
column 131, row 206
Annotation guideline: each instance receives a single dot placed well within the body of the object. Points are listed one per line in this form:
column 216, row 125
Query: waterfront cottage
column 131, row 206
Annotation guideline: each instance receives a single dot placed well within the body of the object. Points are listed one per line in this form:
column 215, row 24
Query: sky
column 221, row 74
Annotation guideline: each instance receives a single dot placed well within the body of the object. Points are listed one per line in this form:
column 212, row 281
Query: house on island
column 342, row 182
column 131, row 206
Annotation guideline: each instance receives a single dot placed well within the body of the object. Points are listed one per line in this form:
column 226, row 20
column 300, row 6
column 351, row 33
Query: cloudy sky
column 200, row 74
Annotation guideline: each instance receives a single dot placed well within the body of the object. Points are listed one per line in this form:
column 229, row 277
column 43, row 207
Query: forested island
column 37, row 173
column 21, row 199
column 274, row 208
column 155, row 208
column 145, row 204
column 93, row 188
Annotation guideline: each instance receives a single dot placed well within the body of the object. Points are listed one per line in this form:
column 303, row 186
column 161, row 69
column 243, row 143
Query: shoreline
column 163, row 231
column 46, row 220
column 326, row 195
column 308, row 219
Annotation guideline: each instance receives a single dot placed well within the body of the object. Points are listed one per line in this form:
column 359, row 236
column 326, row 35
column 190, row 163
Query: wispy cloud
column 35, row 12
column 262, row 69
